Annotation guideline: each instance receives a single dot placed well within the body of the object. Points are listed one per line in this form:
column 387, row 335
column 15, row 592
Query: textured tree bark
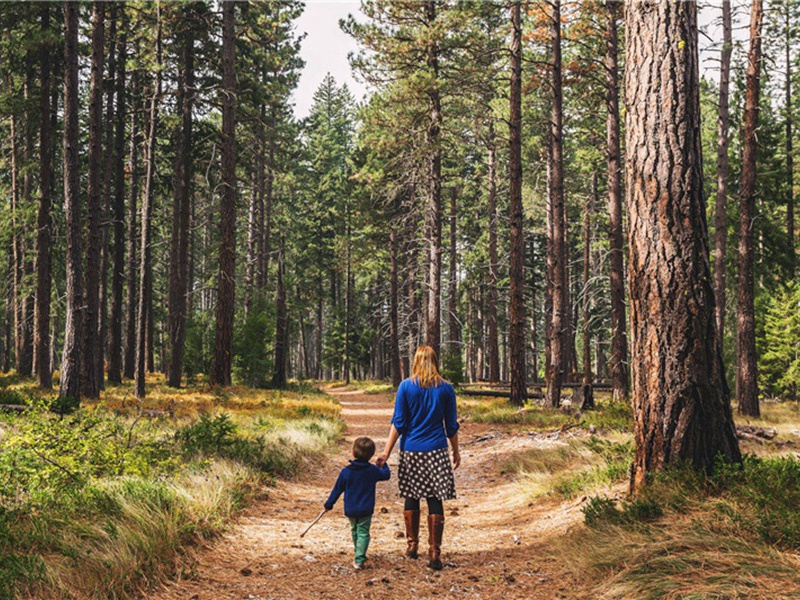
column 41, row 335
column 118, row 213
column 132, row 262
column 492, row 346
column 619, row 338
column 721, row 212
column 145, row 279
column 89, row 378
column 181, row 212
column 223, row 339
column 70, row 371
column 747, row 367
column 433, row 213
column 560, row 307
column 394, row 343
column 516, row 270
column 680, row 399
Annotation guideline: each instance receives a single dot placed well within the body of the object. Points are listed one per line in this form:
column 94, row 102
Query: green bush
column 253, row 357
column 453, row 366
column 779, row 344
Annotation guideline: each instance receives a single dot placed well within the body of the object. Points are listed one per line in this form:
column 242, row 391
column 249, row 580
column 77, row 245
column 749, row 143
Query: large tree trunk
column 433, row 212
column 70, row 383
column 181, row 212
column 223, row 339
column 492, row 345
column 747, row 367
column 560, row 308
column 619, row 339
column 89, row 379
column 41, row 336
column 132, row 262
column 516, row 267
column 145, row 251
column 680, row 398
column 118, row 214
column 721, row 212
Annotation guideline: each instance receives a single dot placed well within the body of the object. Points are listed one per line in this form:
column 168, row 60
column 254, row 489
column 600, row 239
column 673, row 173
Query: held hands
column 381, row 460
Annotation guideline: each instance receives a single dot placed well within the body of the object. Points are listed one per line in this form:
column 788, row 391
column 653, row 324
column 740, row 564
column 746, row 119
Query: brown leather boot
column 412, row 533
column 435, row 531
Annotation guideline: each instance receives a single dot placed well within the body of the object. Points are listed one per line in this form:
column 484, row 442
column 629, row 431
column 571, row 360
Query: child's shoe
column 358, row 566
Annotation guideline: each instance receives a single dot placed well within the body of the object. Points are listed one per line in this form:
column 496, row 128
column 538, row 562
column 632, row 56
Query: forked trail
column 495, row 543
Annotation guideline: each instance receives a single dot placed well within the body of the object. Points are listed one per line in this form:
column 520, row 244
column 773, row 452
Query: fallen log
column 497, row 393
column 753, row 432
column 15, row 407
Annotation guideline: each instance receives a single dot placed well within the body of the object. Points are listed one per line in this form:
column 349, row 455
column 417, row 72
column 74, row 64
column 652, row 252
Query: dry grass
column 681, row 558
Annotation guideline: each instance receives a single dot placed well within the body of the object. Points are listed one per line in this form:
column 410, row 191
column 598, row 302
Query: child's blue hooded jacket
column 357, row 481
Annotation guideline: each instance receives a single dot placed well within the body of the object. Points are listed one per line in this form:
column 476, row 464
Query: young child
column 357, row 481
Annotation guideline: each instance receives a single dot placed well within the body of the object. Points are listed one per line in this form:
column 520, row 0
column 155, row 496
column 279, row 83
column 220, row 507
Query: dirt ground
column 495, row 542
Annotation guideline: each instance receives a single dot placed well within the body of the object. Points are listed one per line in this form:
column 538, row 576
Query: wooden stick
column 314, row 522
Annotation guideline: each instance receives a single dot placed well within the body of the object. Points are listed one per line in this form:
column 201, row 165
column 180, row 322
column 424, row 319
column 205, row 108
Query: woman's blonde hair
column 426, row 367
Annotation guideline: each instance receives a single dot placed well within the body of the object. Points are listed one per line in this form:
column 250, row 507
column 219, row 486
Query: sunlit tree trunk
column 492, row 346
column 560, row 307
column 226, row 286
column 747, row 367
column 70, row 371
column 181, row 212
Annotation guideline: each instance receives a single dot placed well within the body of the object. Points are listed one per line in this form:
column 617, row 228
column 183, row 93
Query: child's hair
column 363, row 449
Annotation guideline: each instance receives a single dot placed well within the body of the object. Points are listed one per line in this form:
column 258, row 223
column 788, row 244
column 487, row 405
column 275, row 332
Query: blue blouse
column 425, row 417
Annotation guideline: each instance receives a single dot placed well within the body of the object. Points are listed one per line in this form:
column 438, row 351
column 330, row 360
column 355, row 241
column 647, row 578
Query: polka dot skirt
column 426, row 475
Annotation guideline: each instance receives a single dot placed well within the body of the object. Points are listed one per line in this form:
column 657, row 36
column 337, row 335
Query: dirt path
column 494, row 541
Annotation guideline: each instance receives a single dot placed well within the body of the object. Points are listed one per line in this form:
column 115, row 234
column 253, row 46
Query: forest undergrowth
column 97, row 503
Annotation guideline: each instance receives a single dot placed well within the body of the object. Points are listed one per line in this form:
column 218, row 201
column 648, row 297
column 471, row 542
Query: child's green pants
column 359, row 529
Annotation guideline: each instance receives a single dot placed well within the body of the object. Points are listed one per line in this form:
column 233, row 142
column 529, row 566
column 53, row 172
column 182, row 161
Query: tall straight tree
column 90, row 378
column 433, row 212
column 516, row 269
column 131, row 267
column 747, row 367
column 721, row 213
column 145, row 251
column 226, row 286
column 492, row 349
column 619, row 340
column 791, row 17
column 558, row 246
column 181, row 209
column 41, row 335
column 70, row 384
column 118, row 211
column 680, row 398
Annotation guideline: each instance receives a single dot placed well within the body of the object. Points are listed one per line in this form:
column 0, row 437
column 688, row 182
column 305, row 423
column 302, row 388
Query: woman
column 424, row 419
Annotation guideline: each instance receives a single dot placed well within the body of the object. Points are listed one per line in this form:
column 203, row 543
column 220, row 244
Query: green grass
column 608, row 416
column 565, row 470
column 95, row 503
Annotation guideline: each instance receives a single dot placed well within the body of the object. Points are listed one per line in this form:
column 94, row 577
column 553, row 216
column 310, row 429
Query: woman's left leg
column 435, row 531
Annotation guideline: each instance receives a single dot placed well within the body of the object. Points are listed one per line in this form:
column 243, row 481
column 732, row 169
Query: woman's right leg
column 435, row 531
column 411, row 516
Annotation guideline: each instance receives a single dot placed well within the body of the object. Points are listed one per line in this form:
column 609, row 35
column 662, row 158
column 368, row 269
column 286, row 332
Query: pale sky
column 325, row 49
column 326, row 46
